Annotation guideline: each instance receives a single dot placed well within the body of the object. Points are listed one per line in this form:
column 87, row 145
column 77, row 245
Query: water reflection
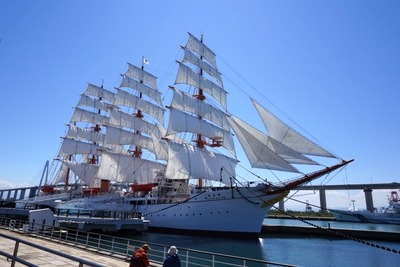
column 251, row 248
column 295, row 250
column 335, row 224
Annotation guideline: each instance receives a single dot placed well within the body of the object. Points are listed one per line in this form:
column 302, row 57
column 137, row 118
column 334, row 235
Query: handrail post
column 66, row 235
column 87, row 240
column 15, row 253
column 112, row 244
column 128, row 248
column 99, row 243
column 76, row 236
column 52, row 232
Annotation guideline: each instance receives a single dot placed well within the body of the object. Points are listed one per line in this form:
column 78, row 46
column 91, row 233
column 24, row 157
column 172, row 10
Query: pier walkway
column 62, row 247
column 42, row 258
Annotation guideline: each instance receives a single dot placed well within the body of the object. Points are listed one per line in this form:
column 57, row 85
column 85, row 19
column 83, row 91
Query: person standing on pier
column 139, row 257
column 172, row 259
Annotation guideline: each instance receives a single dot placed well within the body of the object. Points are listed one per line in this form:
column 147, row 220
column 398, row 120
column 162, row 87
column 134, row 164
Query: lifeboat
column 90, row 191
column 47, row 189
column 142, row 187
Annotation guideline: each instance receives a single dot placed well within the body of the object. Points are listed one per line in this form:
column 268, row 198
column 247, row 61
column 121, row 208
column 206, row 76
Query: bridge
column 14, row 194
column 367, row 188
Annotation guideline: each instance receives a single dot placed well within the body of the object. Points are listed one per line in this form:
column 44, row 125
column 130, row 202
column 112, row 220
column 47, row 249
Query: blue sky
column 331, row 66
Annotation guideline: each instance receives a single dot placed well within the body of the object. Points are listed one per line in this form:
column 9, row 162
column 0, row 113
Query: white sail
column 72, row 147
column 187, row 76
column 118, row 136
column 195, row 60
column 283, row 151
column 201, row 49
column 142, row 76
column 190, row 162
column 118, row 149
column 125, row 168
column 82, row 115
column 190, row 104
column 160, row 148
column 161, row 144
column 265, row 152
column 86, row 101
column 85, row 171
column 182, row 122
column 126, row 99
column 121, row 119
column 163, row 133
column 288, row 136
column 122, row 166
column 62, row 175
column 147, row 90
column 100, row 93
column 80, row 133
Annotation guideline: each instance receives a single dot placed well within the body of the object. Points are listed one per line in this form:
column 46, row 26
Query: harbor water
column 301, row 250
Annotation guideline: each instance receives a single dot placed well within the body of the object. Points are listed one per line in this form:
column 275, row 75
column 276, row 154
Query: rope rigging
column 333, row 231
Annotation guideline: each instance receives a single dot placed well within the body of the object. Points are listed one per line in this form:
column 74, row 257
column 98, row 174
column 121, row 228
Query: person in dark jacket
column 172, row 259
column 140, row 258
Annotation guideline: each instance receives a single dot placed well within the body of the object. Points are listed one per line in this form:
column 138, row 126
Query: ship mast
column 200, row 142
column 97, row 129
column 94, row 159
column 137, row 153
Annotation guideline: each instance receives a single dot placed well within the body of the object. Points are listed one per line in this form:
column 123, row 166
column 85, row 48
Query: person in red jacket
column 139, row 257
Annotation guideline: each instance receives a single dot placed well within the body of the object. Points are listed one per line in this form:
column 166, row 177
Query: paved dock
column 46, row 259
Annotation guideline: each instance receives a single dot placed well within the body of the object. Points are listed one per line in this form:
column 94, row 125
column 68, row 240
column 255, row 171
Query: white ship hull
column 238, row 210
column 348, row 216
column 212, row 211
column 42, row 201
column 390, row 214
column 366, row 217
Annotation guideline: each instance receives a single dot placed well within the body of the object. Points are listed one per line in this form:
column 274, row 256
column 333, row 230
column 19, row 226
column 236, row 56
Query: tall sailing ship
column 181, row 176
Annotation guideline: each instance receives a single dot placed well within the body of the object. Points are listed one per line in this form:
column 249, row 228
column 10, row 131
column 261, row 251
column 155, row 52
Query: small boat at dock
column 104, row 221
column 389, row 214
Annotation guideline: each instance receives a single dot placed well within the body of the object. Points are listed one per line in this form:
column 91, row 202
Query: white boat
column 107, row 221
column 182, row 176
column 390, row 214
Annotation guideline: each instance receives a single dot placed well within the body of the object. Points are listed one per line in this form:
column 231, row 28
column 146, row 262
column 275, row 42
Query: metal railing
column 122, row 248
column 14, row 257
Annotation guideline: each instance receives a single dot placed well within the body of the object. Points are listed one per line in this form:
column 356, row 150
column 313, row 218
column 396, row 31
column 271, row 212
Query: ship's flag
column 145, row 61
